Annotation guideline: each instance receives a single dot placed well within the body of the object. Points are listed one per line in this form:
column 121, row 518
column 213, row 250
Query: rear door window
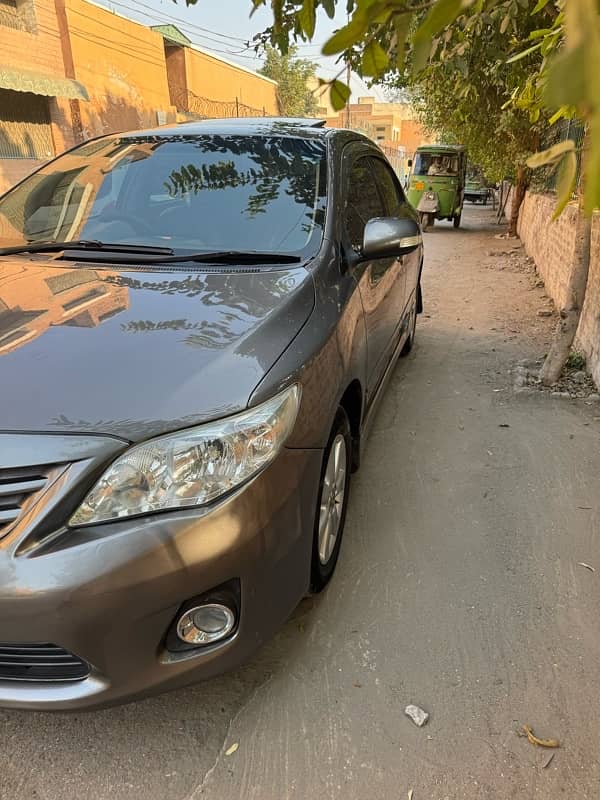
column 363, row 201
column 393, row 196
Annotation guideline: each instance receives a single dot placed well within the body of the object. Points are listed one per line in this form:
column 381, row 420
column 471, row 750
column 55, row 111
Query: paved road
column 458, row 589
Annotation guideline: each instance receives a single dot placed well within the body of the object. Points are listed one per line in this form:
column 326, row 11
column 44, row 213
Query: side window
column 362, row 201
column 392, row 194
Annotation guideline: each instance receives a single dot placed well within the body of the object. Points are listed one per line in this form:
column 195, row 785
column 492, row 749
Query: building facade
column 392, row 125
column 35, row 96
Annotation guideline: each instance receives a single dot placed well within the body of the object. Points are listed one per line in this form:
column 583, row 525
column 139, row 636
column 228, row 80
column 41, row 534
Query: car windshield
column 247, row 193
column 445, row 164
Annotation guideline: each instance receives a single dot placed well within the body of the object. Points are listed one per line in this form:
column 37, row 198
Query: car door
column 380, row 280
column 396, row 205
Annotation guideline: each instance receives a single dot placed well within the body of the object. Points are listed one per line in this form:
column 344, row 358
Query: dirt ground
column 461, row 587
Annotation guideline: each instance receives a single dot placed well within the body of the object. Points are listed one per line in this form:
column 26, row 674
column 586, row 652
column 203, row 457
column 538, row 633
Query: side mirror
column 409, row 162
column 386, row 237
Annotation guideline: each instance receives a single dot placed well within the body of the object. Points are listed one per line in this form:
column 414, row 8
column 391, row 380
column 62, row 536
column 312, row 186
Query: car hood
column 136, row 352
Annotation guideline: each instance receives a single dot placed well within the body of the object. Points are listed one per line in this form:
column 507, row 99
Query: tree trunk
column 568, row 323
column 519, row 196
column 570, row 314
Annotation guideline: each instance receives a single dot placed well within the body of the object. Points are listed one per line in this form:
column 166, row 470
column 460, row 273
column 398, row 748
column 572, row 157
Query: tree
column 293, row 76
column 561, row 55
column 464, row 93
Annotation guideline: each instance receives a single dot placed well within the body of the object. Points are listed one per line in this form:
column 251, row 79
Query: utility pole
column 348, row 76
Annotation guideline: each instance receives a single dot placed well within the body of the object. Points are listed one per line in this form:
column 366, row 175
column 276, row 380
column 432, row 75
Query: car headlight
column 431, row 196
column 191, row 467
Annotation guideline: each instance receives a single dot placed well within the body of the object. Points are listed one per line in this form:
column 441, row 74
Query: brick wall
column 552, row 246
column 36, row 46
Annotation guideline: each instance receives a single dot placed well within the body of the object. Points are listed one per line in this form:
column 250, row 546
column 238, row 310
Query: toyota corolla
column 196, row 323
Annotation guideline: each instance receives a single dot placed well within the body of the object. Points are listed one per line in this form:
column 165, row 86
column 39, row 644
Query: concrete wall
column 122, row 65
column 552, row 246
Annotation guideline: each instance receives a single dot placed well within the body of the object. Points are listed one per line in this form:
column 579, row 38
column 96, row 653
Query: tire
column 424, row 220
column 430, row 220
column 326, row 547
column 456, row 220
column 408, row 344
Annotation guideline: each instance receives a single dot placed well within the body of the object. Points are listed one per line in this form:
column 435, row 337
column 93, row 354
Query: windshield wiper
column 242, row 257
column 85, row 244
column 235, row 257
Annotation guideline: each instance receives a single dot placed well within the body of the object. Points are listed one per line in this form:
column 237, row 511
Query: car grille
column 19, row 489
column 40, row 662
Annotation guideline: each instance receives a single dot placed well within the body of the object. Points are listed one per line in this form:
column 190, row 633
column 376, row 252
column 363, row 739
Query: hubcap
column 332, row 498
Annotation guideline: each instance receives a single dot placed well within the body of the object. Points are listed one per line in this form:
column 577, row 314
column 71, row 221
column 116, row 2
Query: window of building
column 25, row 129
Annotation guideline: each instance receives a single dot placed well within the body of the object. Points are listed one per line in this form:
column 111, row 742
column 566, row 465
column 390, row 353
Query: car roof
column 241, row 126
column 435, row 148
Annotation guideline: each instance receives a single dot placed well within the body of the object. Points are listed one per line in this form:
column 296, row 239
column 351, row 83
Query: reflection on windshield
column 262, row 193
column 33, row 300
column 445, row 165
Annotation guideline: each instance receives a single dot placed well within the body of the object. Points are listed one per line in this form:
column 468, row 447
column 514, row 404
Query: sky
column 224, row 27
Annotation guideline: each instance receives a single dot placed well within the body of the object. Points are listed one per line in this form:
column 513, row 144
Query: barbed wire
column 189, row 102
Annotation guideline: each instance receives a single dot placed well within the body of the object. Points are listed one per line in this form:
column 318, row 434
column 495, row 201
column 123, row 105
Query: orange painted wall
column 210, row 77
column 122, row 65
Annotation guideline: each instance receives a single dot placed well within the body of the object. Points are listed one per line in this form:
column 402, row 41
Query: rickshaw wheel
column 456, row 220
column 430, row 220
column 424, row 219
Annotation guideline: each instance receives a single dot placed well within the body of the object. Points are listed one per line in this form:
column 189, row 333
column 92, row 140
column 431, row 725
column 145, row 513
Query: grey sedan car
column 196, row 323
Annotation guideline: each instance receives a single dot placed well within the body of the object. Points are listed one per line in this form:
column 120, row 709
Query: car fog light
column 205, row 624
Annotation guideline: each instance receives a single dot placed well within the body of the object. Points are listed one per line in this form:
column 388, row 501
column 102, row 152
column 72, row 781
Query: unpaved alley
column 460, row 588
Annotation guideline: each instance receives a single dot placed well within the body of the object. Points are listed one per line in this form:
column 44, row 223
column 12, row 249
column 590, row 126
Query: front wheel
column 333, row 502
column 424, row 220
column 456, row 220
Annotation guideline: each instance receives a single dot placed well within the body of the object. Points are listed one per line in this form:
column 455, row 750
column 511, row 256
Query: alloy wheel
column 332, row 498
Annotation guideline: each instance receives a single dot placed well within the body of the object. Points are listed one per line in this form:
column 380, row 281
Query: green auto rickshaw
column 437, row 183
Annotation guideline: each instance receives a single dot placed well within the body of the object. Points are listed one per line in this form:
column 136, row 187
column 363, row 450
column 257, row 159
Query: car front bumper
column 110, row 593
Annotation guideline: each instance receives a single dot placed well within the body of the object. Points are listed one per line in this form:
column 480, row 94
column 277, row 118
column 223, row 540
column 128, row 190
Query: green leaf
column 566, row 84
column 592, row 166
column 307, row 18
column 552, row 155
column 401, row 25
column 346, row 36
column 374, row 60
column 539, row 6
column 563, row 111
column 539, row 34
column 339, row 94
column 524, row 53
column 329, row 6
column 442, row 14
column 565, row 185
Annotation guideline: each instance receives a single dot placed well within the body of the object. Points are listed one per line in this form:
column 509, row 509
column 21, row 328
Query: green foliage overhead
column 553, row 46
column 292, row 74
